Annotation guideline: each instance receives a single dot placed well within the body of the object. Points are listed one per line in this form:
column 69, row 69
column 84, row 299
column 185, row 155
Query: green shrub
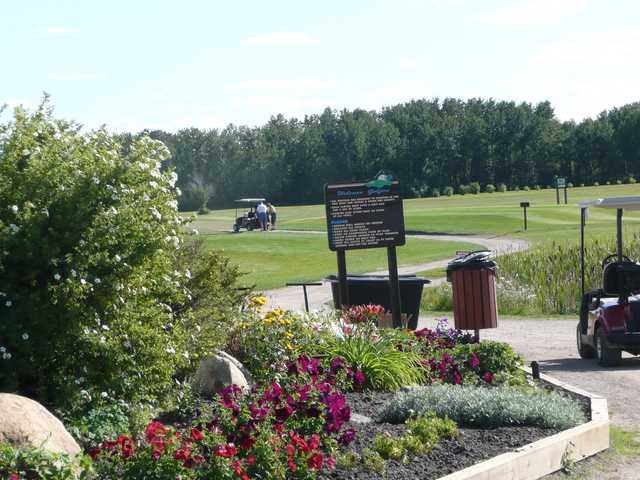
column 630, row 179
column 526, row 188
column 581, row 185
column 448, row 191
column 464, row 189
column 474, row 188
column 373, row 461
column 498, row 358
column 490, row 188
column 596, row 184
column 93, row 301
column 536, row 187
column 515, row 188
column 389, row 448
column 486, row 407
column 435, row 192
column 37, row 464
column 607, row 182
column 430, row 429
column 437, row 299
column 203, row 211
column 103, row 422
column 502, row 187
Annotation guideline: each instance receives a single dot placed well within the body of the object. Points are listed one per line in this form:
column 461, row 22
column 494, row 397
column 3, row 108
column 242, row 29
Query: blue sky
column 172, row 64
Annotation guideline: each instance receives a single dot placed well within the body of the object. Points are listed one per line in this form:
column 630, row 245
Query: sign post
column 561, row 182
column 366, row 215
column 524, row 206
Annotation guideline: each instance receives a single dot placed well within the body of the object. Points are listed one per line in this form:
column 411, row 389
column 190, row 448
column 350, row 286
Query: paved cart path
column 291, row 298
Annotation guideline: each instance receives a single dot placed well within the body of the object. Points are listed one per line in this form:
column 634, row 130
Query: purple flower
column 347, row 437
column 359, row 378
column 337, row 364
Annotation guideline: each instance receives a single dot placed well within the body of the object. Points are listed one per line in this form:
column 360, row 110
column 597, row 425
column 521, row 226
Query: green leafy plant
column 102, row 422
column 37, row 463
column 372, row 461
column 486, row 407
column 490, row 188
column 498, row 358
column 383, row 365
column 390, row 448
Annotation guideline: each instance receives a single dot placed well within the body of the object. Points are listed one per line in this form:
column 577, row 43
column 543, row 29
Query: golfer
column 271, row 211
column 261, row 210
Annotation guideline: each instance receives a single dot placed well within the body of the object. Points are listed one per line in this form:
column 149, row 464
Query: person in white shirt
column 261, row 210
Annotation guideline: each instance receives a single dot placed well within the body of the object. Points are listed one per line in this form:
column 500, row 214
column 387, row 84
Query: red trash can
column 473, row 282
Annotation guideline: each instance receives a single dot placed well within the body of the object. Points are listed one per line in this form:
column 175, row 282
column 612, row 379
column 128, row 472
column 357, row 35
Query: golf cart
column 249, row 219
column 610, row 316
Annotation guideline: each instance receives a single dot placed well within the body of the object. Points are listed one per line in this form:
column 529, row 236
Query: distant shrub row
column 475, row 188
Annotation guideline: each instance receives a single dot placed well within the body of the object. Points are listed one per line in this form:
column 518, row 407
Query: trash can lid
column 355, row 279
column 481, row 259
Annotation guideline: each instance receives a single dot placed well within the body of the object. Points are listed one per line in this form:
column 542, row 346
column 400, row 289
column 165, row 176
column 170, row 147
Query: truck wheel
column 607, row 356
column 584, row 350
column 236, row 227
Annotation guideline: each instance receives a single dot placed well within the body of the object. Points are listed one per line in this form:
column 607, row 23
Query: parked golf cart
column 249, row 219
column 610, row 316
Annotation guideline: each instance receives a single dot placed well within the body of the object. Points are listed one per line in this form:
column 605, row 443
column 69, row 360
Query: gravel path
column 291, row 298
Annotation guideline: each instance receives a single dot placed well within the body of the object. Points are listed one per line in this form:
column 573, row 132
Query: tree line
column 428, row 144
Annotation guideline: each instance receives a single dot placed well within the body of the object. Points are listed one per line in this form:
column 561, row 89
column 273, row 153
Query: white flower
column 2, row 294
column 153, row 184
column 86, row 331
column 194, row 231
column 14, row 208
column 26, row 152
column 97, row 280
column 117, row 258
column 187, row 273
column 113, row 211
column 45, row 212
column 56, row 276
column 178, row 191
column 82, row 243
column 127, row 344
column 96, row 180
column 186, row 355
column 3, row 349
column 25, row 336
column 154, row 211
column 104, row 395
column 8, row 303
column 14, row 228
column 173, row 179
column 83, row 281
column 170, row 350
column 73, row 273
column 103, row 339
column 105, row 327
column 6, row 356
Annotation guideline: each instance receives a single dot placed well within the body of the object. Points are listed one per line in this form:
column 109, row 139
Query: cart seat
column 621, row 278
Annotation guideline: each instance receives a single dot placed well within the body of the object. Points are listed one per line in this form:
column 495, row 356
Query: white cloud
column 280, row 39
column 290, row 84
column 75, row 77
column 57, row 30
column 407, row 63
column 588, row 73
column 391, row 94
column 527, row 13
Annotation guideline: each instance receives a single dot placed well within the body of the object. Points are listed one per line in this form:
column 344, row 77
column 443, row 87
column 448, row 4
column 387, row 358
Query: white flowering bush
column 93, row 300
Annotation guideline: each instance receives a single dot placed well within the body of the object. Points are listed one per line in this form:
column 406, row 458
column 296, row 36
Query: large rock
column 216, row 372
column 24, row 422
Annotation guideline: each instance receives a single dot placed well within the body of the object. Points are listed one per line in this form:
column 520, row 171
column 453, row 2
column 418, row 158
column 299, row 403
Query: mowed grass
column 271, row 259
column 485, row 214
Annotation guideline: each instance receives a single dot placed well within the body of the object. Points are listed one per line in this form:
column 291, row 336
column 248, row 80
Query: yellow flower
column 289, row 346
column 288, row 334
column 261, row 300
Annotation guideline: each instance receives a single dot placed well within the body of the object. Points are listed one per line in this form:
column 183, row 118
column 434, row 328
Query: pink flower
column 474, row 361
column 315, row 461
column 488, row 377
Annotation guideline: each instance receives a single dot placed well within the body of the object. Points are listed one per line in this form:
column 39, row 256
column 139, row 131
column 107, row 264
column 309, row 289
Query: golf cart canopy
column 623, row 203
column 250, row 200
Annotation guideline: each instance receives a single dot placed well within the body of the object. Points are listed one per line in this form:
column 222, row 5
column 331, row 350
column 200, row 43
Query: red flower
column 315, row 461
column 196, row 435
column 488, row 377
column 251, row 460
column 226, row 451
column 14, row 476
column 314, row 441
column 94, row 453
column 155, row 429
column 182, row 454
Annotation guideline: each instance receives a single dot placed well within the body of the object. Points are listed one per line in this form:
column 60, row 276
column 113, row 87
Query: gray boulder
column 216, row 372
column 26, row 423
